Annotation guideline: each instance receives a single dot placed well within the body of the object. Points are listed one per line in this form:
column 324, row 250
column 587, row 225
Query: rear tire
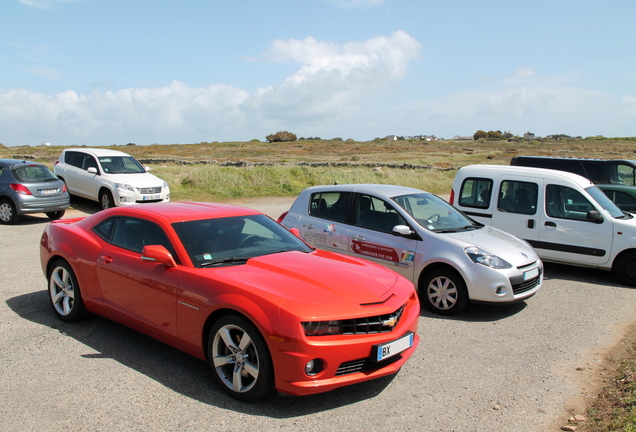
column 8, row 213
column 64, row 292
column 443, row 291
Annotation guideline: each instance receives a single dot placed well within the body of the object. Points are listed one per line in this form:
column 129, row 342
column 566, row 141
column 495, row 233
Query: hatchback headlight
column 124, row 186
column 485, row 257
column 321, row 328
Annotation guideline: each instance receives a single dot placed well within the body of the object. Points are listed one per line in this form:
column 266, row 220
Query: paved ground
column 516, row 368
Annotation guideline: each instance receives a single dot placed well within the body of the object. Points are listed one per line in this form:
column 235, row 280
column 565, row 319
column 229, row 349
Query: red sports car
column 231, row 286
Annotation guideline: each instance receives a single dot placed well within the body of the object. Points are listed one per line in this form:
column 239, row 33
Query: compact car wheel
column 240, row 359
column 8, row 214
column 625, row 268
column 64, row 292
column 55, row 215
column 444, row 291
column 106, row 199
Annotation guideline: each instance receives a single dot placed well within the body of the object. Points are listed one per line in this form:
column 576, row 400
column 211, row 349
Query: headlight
column 321, row 328
column 165, row 185
column 124, row 186
column 487, row 258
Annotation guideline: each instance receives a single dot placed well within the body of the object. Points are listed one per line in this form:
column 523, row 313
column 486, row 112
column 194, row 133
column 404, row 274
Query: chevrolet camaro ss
column 230, row 286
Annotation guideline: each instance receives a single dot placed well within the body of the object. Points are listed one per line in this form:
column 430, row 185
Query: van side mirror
column 594, row 216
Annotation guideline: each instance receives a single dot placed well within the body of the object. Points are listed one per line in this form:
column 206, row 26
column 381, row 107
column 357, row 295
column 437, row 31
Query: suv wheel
column 106, row 199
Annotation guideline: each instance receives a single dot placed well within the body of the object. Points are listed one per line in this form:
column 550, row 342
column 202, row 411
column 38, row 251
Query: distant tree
column 282, row 136
column 480, row 134
column 495, row 135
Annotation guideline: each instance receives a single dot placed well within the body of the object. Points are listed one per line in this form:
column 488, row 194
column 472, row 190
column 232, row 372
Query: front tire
column 625, row 269
column 239, row 358
column 444, row 291
column 106, row 199
column 8, row 213
column 64, row 292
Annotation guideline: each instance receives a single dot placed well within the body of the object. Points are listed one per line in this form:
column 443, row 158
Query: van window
column 518, row 197
column 621, row 174
column 566, row 203
column 330, row 205
column 475, row 192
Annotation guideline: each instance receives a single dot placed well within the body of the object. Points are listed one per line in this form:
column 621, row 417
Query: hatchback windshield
column 433, row 213
column 233, row 240
column 121, row 165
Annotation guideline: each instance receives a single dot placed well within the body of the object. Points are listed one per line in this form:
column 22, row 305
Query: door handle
column 530, row 223
column 359, row 237
column 550, row 224
column 107, row 260
column 308, row 226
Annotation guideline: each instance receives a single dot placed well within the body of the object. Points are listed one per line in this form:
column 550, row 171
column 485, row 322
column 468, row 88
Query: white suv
column 110, row 177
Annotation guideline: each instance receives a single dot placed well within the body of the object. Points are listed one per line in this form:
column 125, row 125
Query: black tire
column 8, row 213
column 625, row 268
column 55, row 215
column 106, row 199
column 444, row 291
column 239, row 358
column 64, row 292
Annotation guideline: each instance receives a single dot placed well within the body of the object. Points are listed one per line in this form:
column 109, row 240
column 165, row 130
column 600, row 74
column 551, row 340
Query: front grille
column 526, row 285
column 150, row 190
column 375, row 324
column 363, row 365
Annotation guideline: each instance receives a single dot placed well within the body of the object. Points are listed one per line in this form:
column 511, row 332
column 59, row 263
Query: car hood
column 509, row 247
column 136, row 180
column 315, row 278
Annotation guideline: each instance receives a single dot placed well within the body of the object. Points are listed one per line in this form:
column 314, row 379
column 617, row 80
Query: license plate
column 390, row 349
column 530, row 274
column 48, row 191
column 151, row 197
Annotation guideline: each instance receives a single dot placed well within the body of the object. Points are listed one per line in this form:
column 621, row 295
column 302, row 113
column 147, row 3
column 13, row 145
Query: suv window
column 475, row 192
column 330, row 205
column 73, row 158
column 518, row 197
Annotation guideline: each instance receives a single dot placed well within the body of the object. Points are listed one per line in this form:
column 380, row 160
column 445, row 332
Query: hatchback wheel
column 444, row 291
column 240, row 359
column 64, row 292
column 8, row 214
column 55, row 215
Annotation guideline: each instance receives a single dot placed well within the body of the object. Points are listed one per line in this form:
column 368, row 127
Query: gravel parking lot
column 513, row 368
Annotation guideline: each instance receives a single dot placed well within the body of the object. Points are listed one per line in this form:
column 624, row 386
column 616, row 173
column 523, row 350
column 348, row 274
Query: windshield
column 605, row 202
column 234, row 240
column 121, row 165
column 433, row 213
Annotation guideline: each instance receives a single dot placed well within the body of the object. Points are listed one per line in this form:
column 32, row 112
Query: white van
column 564, row 216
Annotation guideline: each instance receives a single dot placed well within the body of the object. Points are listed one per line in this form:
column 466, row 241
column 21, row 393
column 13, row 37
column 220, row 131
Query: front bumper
column 487, row 285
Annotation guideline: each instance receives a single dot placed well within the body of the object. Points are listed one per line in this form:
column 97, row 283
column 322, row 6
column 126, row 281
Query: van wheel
column 625, row 268
column 444, row 291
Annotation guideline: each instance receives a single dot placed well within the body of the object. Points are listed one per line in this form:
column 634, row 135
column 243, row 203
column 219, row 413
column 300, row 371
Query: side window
column 376, row 214
column 105, row 229
column 566, row 203
column 330, row 205
column 75, row 159
column 89, row 162
column 133, row 234
column 622, row 174
column 475, row 192
column 518, row 197
column 623, row 199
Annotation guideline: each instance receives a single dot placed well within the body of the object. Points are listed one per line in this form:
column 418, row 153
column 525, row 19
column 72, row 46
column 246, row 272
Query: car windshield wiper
column 462, row 228
column 225, row 261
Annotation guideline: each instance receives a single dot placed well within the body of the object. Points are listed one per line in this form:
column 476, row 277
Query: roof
column 370, row 188
column 19, row 162
column 98, row 152
column 184, row 211
column 546, row 173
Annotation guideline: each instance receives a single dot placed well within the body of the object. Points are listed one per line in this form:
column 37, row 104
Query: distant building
column 528, row 135
column 464, row 138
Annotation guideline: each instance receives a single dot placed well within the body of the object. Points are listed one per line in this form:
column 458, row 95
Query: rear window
column 330, row 205
column 33, row 173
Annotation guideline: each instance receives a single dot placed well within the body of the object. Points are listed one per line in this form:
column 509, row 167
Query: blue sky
column 102, row 72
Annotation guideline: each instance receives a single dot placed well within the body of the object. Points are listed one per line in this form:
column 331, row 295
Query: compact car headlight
column 321, row 328
column 485, row 257
column 124, row 186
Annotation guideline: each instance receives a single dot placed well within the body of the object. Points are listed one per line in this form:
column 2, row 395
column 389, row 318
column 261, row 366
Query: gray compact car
column 450, row 259
column 30, row 187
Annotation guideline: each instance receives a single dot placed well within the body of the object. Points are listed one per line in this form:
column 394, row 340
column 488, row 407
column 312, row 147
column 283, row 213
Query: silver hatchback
column 30, row 187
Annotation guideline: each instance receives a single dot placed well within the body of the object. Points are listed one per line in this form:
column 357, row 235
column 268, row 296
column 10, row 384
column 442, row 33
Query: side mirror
column 594, row 216
column 402, row 230
column 91, row 170
column 296, row 232
column 147, row 168
column 158, row 254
